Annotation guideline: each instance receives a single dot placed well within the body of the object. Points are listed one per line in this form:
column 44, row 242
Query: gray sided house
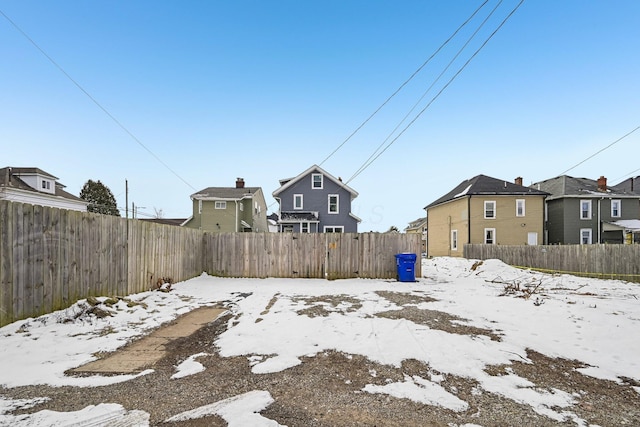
column 315, row 202
column 629, row 185
column 229, row 209
column 585, row 211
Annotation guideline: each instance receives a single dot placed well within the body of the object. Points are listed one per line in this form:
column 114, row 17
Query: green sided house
column 229, row 209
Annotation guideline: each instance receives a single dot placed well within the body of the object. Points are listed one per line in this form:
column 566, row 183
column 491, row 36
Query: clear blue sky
column 264, row 89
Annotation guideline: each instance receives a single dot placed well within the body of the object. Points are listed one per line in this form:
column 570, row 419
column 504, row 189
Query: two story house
column 586, row 211
column 485, row 210
column 229, row 209
column 37, row 187
column 315, row 202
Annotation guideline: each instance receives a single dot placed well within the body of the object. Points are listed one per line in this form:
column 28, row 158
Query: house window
column 199, row 206
column 316, row 180
column 585, row 236
column 334, row 229
column 304, row 227
column 44, row 184
column 489, row 236
column 221, row 205
column 241, row 207
column 585, row 209
column 520, row 207
column 333, row 203
column 297, row 201
column 616, row 211
column 454, row 240
column 287, row 228
column 489, row 210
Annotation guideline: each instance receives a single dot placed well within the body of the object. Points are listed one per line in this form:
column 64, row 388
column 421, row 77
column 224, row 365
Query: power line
column 111, row 116
column 405, row 82
column 628, row 174
column 367, row 164
column 600, row 151
column 430, row 87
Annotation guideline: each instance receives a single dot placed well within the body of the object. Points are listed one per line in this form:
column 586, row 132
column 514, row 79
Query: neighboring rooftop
column 166, row 221
column 486, row 185
column 10, row 177
column 565, row 185
column 298, row 216
column 238, row 192
column 629, row 185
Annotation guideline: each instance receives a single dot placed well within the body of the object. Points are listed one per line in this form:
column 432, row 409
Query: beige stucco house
column 229, row 209
column 485, row 210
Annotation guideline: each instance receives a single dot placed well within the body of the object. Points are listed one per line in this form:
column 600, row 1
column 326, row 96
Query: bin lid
column 407, row 256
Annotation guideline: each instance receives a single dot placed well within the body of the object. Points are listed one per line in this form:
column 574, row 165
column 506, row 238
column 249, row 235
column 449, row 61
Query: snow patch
column 422, row 391
column 238, row 411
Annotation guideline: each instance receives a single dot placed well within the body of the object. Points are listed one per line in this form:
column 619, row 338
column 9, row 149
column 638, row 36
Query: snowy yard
column 481, row 316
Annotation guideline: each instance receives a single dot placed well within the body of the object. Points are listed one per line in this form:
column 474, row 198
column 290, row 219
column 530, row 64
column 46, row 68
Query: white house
column 37, row 187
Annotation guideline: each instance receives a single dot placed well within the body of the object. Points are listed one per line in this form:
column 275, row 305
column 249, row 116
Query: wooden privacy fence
column 50, row 258
column 308, row 255
column 599, row 260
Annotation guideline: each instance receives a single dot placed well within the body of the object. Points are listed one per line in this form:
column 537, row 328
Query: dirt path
column 146, row 352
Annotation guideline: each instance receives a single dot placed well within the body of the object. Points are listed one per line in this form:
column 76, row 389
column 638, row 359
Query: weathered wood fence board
column 600, row 260
column 50, row 258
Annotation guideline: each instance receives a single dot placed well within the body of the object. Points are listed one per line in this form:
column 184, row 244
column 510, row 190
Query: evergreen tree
column 100, row 198
column 393, row 229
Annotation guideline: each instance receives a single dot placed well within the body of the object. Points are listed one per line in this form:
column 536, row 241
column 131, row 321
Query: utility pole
column 126, row 198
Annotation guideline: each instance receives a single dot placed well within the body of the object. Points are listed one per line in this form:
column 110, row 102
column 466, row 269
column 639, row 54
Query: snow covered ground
column 593, row 321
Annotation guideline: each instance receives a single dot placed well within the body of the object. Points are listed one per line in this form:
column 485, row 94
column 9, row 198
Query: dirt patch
column 326, row 390
column 438, row 320
column 602, row 402
column 324, row 305
column 403, row 298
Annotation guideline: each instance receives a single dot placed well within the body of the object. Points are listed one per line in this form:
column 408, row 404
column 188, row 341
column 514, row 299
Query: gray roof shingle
column 224, row 193
column 486, row 185
column 565, row 185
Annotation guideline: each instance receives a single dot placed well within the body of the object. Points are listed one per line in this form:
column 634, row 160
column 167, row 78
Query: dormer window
column 316, row 180
column 46, row 185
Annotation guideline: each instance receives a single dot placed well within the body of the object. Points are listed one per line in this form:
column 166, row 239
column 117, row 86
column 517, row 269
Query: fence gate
column 343, row 255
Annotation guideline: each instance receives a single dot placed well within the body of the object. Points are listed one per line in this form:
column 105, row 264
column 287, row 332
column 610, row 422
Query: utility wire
column 628, row 174
column 430, row 87
column 111, row 116
column 405, row 82
column 367, row 164
column 600, row 151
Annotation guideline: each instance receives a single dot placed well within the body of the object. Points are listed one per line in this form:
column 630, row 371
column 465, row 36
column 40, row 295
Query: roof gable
column 486, row 185
column 289, row 182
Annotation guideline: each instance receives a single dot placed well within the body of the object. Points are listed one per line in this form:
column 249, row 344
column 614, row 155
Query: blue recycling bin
column 406, row 265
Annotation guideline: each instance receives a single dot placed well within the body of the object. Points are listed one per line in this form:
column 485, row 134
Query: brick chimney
column 518, row 180
column 602, row 183
column 239, row 183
